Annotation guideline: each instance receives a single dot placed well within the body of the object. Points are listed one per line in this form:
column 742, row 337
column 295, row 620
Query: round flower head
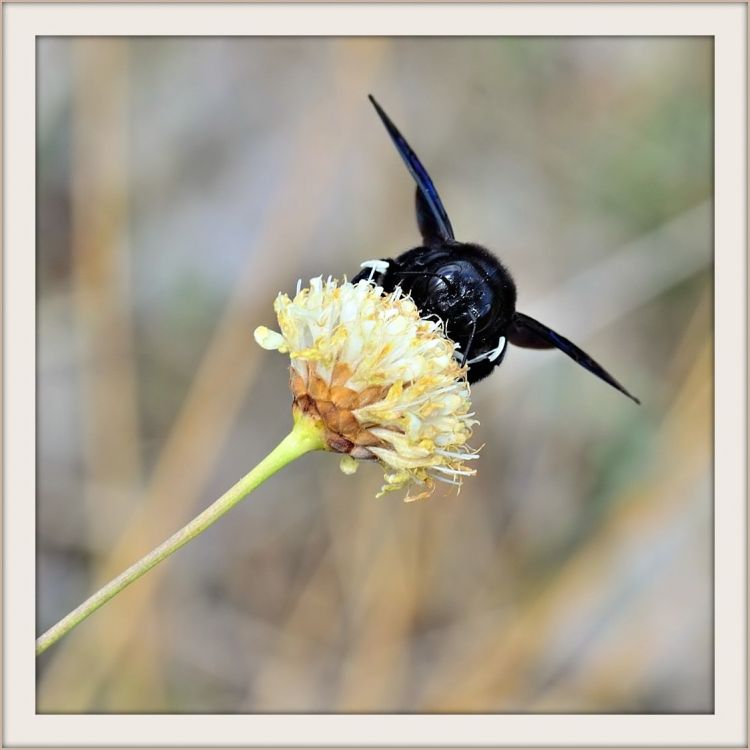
column 382, row 381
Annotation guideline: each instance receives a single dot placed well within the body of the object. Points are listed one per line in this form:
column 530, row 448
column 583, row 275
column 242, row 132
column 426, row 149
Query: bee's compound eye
column 436, row 286
column 446, row 280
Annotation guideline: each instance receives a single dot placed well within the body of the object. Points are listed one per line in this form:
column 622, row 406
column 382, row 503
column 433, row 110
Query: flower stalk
column 306, row 436
column 371, row 380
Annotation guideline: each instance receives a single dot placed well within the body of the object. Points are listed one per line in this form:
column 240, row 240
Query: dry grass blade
column 101, row 291
column 220, row 384
column 490, row 673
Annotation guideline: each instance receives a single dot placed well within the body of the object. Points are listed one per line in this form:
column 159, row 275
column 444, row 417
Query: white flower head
column 383, row 381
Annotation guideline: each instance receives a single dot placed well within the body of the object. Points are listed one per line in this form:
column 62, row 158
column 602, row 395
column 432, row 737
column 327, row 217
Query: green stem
column 305, row 436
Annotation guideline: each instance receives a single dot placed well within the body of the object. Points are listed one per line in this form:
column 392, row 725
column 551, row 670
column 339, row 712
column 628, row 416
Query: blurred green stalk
column 305, row 436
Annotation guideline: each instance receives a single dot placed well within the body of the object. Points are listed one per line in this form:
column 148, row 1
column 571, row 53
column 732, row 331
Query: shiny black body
column 465, row 285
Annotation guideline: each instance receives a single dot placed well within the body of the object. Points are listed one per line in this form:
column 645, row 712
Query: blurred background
column 182, row 182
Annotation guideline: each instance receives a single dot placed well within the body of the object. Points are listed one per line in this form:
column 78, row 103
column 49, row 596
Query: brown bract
column 334, row 404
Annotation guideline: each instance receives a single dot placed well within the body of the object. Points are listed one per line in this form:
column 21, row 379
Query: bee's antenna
column 471, row 340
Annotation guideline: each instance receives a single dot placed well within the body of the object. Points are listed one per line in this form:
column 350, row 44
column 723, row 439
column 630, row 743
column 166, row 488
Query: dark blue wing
column 531, row 334
column 436, row 225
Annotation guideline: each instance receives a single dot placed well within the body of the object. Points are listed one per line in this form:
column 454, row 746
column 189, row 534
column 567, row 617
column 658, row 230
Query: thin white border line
column 367, row 19
column 727, row 23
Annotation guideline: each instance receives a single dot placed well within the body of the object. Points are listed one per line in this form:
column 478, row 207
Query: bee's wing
column 531, row 334
column 434, row 224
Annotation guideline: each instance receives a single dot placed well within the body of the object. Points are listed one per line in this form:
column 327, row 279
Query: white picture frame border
column 727, row 23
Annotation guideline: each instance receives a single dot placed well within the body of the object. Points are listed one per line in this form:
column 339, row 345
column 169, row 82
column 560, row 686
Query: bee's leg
column 378, row 268
column 492, row 354
column 498, row 350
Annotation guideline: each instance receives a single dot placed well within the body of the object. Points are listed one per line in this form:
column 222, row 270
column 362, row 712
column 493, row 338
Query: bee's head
column 459, row 294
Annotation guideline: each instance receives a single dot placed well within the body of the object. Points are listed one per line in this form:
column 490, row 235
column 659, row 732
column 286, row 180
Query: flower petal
column 384, row 380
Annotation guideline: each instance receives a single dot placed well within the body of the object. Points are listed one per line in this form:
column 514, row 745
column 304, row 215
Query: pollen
column 383, row 382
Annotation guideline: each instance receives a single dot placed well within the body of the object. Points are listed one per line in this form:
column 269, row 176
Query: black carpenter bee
column 464, row 285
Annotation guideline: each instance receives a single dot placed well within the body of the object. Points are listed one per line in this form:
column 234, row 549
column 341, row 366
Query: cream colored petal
column 269, row 339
